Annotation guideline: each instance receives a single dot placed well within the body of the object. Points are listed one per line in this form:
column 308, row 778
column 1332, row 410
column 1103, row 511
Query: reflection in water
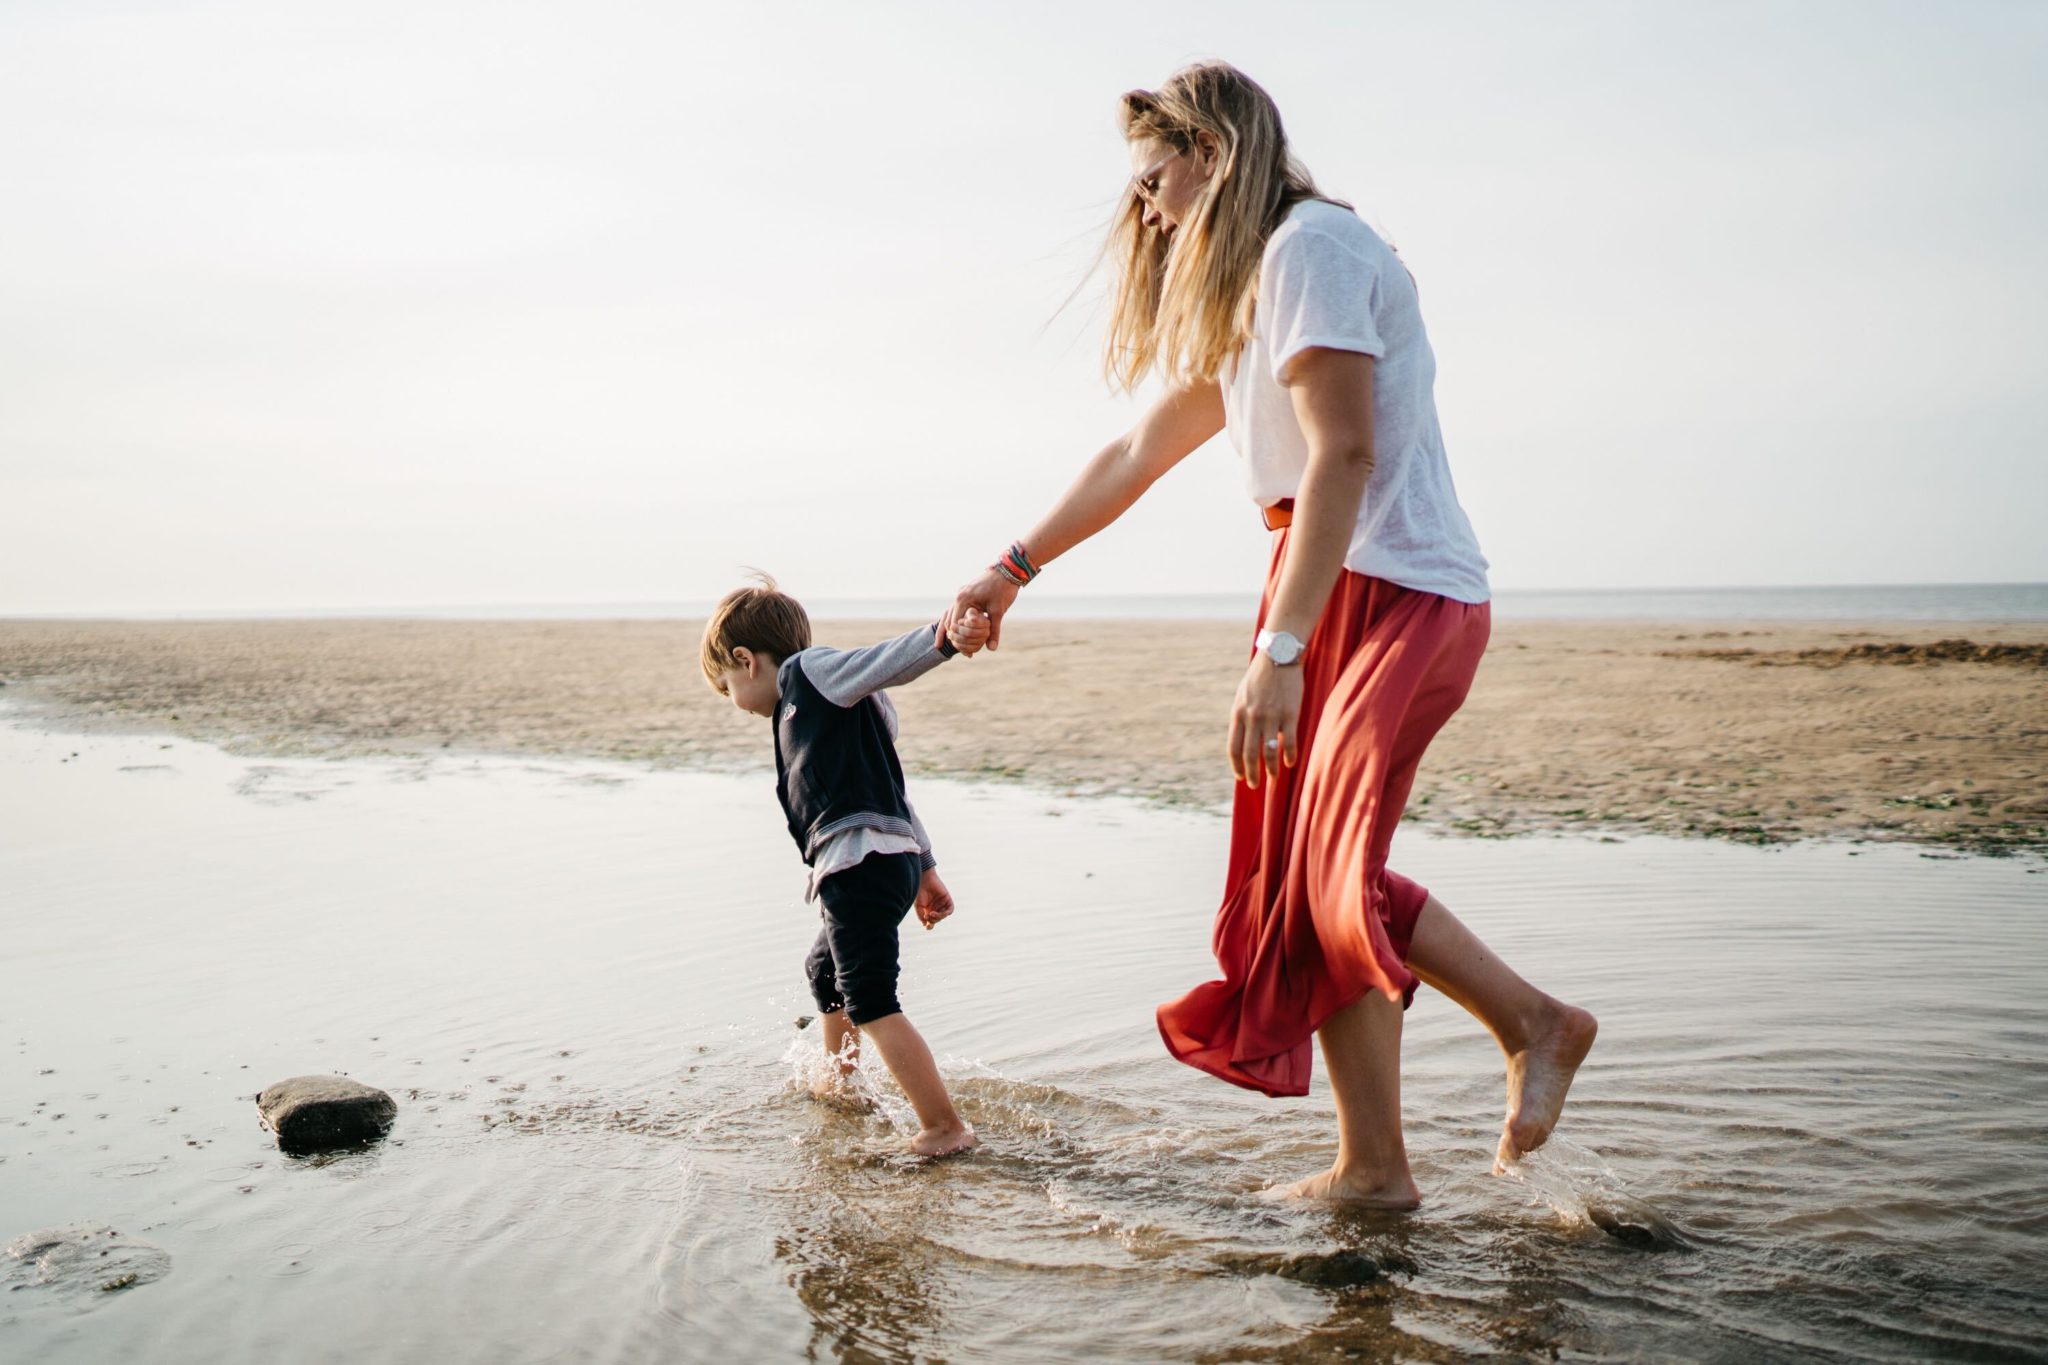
column 862, row 1235
column 869, row 1293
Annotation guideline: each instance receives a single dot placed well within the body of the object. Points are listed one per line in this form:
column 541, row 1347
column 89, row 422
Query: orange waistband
column 1278, row 515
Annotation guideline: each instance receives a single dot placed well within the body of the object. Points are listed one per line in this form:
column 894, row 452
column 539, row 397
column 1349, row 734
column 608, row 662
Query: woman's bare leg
column 1362, row 1053
column 1544, row 1038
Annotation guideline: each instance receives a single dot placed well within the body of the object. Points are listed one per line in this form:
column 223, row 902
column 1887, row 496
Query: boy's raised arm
column 844, row 676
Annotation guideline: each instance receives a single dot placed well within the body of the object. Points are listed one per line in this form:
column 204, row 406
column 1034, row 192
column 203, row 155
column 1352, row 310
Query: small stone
column 1341, row 1269
column 1624, row 1232
column 80, row 1262
column 325, row 1113
column 1330, row 1269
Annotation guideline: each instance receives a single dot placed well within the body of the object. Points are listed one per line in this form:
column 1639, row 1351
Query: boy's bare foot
column 1398, row 1194
column 1539, row 1077
column 841, row 1093
column 944, row 1141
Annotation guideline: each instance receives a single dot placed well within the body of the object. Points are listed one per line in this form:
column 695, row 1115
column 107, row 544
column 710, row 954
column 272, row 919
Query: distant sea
column 1897, row 602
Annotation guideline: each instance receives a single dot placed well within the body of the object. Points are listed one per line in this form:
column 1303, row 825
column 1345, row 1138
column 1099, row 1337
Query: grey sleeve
column 844, row 676
column 924, row 841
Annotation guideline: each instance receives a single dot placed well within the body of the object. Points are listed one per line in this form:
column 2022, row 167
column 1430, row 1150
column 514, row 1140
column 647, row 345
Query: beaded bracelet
column 1015, row 564
column 1018, row 561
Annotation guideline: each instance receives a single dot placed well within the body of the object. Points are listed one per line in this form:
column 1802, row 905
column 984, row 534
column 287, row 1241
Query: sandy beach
column 1756, row 732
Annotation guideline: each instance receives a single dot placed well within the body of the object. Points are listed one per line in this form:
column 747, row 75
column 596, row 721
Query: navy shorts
column 853, row 964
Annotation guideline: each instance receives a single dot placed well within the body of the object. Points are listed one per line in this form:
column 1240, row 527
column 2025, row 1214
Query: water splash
column 1579, row 1185
column 865, row 1089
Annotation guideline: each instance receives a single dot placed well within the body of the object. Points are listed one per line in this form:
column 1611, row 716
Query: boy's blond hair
column 760, row 618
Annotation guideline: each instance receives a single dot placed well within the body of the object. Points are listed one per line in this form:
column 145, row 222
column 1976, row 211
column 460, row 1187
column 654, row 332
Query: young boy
column 841, row 786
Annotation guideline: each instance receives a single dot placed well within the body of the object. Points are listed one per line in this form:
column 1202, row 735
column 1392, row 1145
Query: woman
column 1276, row 312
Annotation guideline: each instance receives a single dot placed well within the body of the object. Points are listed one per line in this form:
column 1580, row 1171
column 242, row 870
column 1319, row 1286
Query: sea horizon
column 1987, row 602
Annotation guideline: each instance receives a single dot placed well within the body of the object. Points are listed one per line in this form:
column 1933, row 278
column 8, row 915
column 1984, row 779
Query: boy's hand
column 969, row 631
column 991, row 593
column 934, row 901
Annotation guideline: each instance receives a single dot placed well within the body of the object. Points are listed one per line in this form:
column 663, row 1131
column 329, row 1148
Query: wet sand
column 1759, row 732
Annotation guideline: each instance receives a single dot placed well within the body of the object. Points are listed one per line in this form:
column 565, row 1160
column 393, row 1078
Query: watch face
column 1282, row 648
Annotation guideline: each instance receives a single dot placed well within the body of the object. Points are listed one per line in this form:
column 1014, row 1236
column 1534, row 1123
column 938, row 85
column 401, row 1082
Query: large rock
column 82, row 1263
column 323, row 1113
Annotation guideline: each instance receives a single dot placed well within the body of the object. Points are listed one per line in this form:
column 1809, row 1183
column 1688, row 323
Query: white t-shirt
column 1326, row 279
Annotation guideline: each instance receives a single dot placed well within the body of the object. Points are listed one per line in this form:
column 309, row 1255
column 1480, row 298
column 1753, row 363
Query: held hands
column 934, row 902
column 1264, row 719
column 968, row 630
column 991, row 595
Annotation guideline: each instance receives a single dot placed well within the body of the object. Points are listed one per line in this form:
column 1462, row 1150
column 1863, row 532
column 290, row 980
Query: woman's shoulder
column 1313, row 222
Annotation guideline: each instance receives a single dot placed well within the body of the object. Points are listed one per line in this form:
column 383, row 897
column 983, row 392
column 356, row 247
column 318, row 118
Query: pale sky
column 439, row 304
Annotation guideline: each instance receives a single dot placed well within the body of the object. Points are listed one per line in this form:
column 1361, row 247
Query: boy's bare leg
column 1544, row 1038
column 941, row 1131
column 1362, row 1052
column 842, row 1049
column 842, row 1041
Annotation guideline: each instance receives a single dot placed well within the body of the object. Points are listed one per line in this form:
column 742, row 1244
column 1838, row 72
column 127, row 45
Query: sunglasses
column 1146, row 182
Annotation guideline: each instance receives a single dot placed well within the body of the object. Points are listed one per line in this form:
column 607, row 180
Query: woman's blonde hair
column 1184, row 302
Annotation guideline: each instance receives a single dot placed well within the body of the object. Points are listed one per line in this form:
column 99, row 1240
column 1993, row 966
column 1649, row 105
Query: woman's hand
column 1264, row 719
column 991, row 594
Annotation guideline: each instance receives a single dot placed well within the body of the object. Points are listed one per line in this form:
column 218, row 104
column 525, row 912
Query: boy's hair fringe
column 760, row 618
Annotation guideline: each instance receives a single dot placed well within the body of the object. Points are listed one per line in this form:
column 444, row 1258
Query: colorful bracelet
column 1016, row 564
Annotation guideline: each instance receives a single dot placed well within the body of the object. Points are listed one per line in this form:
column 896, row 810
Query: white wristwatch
column 1283, row 649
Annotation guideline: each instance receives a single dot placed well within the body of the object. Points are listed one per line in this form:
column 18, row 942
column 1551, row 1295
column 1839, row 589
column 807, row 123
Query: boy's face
column 752, row 685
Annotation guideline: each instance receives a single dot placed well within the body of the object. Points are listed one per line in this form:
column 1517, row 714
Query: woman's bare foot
column 1398, row 1194
column 1539, row 1077
column 945, row 1141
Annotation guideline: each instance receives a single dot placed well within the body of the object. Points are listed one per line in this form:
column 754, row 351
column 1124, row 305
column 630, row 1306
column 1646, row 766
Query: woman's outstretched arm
column 1118, row 476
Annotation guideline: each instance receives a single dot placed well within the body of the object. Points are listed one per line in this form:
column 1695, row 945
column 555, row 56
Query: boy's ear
column 744, row 657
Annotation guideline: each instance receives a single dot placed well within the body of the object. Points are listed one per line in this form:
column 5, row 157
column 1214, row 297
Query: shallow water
column 1812, row 1127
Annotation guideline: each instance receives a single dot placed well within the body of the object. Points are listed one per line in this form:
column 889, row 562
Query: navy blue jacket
column 835, row 738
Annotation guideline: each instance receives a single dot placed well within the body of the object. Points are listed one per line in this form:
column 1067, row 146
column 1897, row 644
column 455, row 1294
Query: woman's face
column 1168, row 182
